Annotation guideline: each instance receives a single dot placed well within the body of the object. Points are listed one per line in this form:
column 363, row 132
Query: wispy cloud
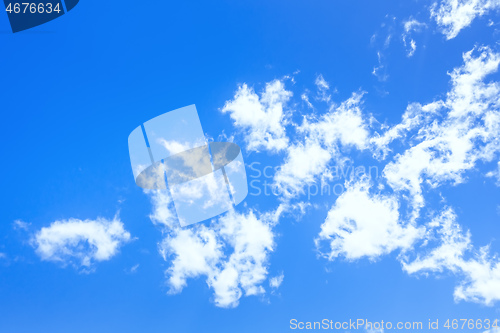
column 20, row 225
column 480, row 272
column 454, row 15
column 411, row 26
column 468, row 132
column 133, row 269
column 495, row 174
column 380, row 41
column 323, row 88
column 380, row 70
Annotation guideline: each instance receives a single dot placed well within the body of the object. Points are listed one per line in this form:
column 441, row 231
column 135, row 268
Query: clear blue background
column 73, row 89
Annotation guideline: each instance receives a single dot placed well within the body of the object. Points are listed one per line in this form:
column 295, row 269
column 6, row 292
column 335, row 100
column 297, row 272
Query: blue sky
column 328, row 85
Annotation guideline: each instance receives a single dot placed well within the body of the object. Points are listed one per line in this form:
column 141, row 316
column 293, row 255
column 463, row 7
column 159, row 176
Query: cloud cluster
column 232, row 254
column 448, row 138
column 438, row 143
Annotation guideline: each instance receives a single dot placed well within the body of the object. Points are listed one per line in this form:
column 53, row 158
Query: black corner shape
column 26, row 14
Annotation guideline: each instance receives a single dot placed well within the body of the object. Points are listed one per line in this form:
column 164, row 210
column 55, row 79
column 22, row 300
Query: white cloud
column 251, row 240
column 455, row 15
column 196, row 251
column 482, row 279
column 361, row 224
column 275, row 282
column 343, row 124
column 480, row 273
column 262, row 119
column 232, row 254
column 81, row 243
column 304, row 162
column 321, row 140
